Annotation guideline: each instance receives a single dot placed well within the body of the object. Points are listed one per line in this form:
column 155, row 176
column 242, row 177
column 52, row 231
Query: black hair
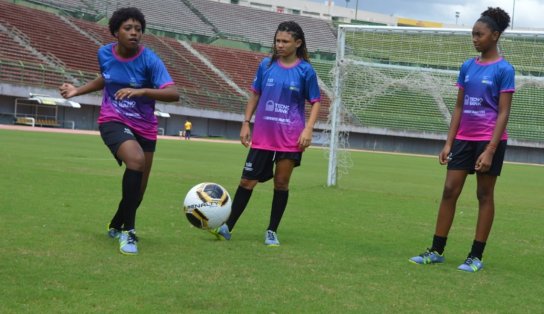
column 124, row 14
column 496, row 18
column 296, row 31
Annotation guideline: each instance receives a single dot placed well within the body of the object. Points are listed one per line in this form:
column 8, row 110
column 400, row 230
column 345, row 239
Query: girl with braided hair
column 476, row 141
column 282, row 85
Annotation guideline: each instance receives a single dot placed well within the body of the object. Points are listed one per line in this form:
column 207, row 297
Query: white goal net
column 401, row 81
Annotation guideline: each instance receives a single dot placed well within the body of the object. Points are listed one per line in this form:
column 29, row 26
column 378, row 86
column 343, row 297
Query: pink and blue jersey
column 283, row 92
column 145, row 70
column 482, row 84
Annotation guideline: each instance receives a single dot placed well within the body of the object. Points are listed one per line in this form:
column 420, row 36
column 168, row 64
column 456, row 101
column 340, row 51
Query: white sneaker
column 127, row 242
column 271, row 238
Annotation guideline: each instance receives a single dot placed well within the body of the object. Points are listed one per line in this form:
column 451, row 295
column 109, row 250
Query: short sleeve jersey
column 145, row 70
column 482, row 84
column 283, row 92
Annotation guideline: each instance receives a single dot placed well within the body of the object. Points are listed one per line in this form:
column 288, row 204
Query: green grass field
column 344, row 249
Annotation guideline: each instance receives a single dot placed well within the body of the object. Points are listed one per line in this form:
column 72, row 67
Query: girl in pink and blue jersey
column 476, row 141
column 282, row 85
column 132, row 79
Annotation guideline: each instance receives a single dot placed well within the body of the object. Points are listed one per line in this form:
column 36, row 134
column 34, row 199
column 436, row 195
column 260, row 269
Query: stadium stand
column 258, row 26
column 18, row 64
column 45, row 55
column 12, row 50
column 52, row 37
column 238, row 64
column 171, row 15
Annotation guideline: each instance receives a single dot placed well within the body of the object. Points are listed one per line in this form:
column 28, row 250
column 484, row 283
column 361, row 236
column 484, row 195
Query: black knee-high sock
column 132, row 183
column 477, row 249
column 239, row 203
column 117, row 220
column 439, row 243
column 279, row 203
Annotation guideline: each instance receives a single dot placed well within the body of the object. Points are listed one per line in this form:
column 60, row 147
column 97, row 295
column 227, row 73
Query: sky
column 526, row 13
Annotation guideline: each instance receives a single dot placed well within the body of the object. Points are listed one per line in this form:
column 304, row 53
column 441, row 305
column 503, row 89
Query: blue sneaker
column 113, row 232
column 271, row 238
column 222, row 232
column 429, row 257
column 471, row 265
column 127, row 242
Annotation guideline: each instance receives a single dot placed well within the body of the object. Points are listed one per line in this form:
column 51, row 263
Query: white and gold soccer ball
column 207, row 205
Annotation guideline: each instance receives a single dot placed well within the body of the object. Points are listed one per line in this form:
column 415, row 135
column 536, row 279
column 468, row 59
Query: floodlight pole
column 356, row 8
column 513, row 12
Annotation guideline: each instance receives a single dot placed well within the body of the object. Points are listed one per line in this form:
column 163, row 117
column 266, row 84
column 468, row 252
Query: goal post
column 400, row 81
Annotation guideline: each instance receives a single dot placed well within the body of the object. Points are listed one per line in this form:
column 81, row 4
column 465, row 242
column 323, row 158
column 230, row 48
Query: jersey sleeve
column 100, row 58
column 257, row 80
column 313, row 93
column 462, row 72
column 508, row 77
column 160, row 77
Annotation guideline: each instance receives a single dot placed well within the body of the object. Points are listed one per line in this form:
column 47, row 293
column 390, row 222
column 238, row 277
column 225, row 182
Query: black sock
column 477, row 249
column 439, row 243
column 132, row 182
column 117, row 220
column 239, row 203
column 279, row 203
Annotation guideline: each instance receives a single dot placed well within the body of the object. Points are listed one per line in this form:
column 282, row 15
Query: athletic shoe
column 112, row 232
column 222, row 232
column 127, row 242
column 471, row 265
column 429, row 257
column 271, row 238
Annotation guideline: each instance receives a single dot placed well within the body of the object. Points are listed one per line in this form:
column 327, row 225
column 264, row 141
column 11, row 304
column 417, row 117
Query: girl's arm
column 305, row 138
column 167, row 94
column 454, row 126
column 245, row 132
column 68, row 90
column 486, row 158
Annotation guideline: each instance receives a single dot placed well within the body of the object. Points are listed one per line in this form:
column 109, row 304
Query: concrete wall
column 208, row 123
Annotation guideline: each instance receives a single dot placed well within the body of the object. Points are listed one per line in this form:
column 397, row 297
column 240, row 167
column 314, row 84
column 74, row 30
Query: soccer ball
column 207, row 205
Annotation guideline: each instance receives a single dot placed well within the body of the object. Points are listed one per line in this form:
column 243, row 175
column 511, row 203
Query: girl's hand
column 128, row 93
column 444, row 157
column 484, row 161
column 305, row 139
column 245, row 135
column 67, row 90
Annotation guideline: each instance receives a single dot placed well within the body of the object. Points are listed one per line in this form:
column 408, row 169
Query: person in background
column 188, row 126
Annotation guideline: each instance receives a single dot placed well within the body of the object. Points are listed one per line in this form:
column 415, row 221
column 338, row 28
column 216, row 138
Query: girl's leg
column 131, row 153
column 240, row 201
column 282, row 176
column 486, row 213
column 117, row 221
column 455, row 180
column 146, row 172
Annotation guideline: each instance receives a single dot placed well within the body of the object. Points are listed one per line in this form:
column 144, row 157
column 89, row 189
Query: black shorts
column 116, row 133
column 465, row 153
column 259, row 163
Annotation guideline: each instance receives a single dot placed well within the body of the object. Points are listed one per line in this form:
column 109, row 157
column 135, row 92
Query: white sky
column 527, row 13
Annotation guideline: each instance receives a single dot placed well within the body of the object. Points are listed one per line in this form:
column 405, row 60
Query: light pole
column 356, row 8
column 513, row 11
column 457, row 13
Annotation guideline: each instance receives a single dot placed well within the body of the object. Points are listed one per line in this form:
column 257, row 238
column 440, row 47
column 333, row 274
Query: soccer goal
column 400, row 81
